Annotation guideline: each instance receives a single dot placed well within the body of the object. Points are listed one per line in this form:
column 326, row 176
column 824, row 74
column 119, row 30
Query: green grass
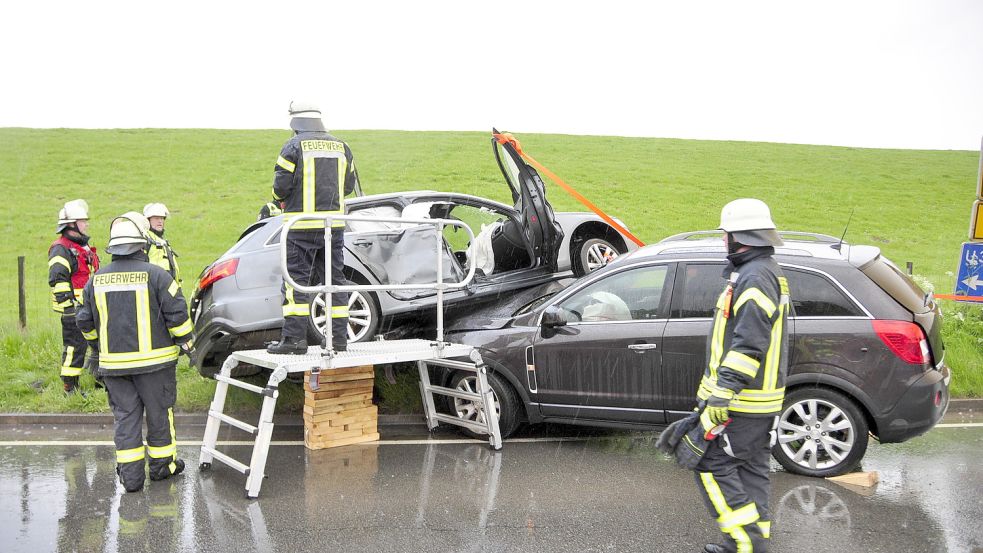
column 913, row 204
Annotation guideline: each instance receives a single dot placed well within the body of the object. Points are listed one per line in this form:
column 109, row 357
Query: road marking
column 284, row 442
column 960, row 425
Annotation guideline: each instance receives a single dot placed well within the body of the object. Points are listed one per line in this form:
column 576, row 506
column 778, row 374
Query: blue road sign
column 969, row 280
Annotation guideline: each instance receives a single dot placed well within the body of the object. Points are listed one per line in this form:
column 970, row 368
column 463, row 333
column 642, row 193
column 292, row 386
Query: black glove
column 187, row 348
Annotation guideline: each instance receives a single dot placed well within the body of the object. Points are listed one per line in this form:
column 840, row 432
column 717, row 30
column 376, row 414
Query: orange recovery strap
column 503, row 138
column 958, row 298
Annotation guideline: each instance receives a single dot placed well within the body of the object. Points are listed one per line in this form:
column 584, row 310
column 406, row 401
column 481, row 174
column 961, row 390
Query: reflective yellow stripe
column 285, row 164
column 713, row 492
column 67, row 370
column 339, row 311
column 103, row 312
column 296, row 310
column 61, row 261
column 61, row 287
column 773, row 357
column 162, row 452
column 738, row 517
column 738, row 405
column 136, row 359
column 275, row 196
column 91, row 335
column 182, row 329
column 170, row 424
column 741, row 363
column 342, row 172
column 758, row 297
column 129, row 455
column 765, row 526
column 717, row 342
column 142, row 298
column 309, row 184
column 761, row 395
column 173, row 289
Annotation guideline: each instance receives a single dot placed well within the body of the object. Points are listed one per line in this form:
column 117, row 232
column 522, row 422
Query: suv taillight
column 906, row 340
column 218, row 272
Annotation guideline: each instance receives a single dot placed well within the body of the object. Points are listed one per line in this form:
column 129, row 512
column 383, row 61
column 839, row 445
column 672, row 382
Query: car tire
column 589, row 255
column 363, row 317
column 820, row 433
column 506, row 403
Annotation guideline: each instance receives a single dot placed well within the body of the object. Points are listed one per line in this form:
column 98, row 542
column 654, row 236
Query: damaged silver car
column 236, row 303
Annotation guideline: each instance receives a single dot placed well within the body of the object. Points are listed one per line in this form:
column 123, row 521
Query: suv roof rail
column 794, row 236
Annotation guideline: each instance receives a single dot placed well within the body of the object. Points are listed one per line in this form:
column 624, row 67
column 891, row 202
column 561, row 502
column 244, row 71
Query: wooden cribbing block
column 340, row 412
column 862, row 479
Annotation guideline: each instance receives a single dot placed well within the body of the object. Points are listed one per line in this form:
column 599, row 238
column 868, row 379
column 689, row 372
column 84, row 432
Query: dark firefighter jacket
column 137, row 314
column 314, row 173
column 747, row 350
column 70, row 264
column 163, row 255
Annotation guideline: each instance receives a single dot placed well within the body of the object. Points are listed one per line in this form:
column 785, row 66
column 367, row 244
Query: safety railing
column 327, row 288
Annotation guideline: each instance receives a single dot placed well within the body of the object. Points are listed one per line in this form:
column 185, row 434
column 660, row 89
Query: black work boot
column 717, row 548
column 165, row 471
column 131, row 485
column 289, row 346
column 70, row 384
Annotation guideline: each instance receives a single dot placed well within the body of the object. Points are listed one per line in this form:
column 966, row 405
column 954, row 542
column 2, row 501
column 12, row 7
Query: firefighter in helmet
column 71, row 262
column 134, row 314
column 743, row 386
column 161, row 253
column 313, row 174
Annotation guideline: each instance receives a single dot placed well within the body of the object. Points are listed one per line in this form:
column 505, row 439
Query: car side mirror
column 557, row 316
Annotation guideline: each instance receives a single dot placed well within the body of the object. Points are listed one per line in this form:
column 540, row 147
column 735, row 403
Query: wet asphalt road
column 596, row 491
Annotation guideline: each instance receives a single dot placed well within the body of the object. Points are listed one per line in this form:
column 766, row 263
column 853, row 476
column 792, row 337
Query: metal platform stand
column 424, row 352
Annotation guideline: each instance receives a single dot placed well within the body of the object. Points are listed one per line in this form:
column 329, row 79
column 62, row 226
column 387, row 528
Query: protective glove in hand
column 716, row 411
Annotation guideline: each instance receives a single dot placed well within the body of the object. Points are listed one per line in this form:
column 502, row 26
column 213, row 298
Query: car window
column 813, row 295
column 629, row 295
column 474, row 218
column 697, row 289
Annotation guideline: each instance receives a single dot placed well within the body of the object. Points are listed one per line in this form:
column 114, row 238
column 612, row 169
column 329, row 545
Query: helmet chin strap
column 732, row 245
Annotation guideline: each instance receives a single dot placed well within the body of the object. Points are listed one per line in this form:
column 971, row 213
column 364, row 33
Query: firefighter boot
column 131, row 476
column 717, row 548
column 166, row 471
column 289, row 346
column 70, row 384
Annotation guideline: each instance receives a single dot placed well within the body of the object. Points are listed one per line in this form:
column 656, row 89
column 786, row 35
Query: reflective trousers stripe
column 130, row 455
column 731, row 521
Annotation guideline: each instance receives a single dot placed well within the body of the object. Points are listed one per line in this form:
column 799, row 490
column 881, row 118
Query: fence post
column 21, row 296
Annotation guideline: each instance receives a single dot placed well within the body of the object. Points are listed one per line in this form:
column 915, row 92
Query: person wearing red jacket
column 71, row 263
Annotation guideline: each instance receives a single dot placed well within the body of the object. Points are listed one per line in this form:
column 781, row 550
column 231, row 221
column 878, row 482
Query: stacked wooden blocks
column 340, row 412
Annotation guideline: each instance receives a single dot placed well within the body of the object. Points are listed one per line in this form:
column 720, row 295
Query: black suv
column 625, row 347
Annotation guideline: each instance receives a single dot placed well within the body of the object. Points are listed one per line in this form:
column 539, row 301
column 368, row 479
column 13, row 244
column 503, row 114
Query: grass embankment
column 912, row 204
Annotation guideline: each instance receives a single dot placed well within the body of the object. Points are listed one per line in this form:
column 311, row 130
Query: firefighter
column 743, row 385
column 271, row 208
column 313, row 174
column 134, row 314
column 71, row 262
column 161, row 253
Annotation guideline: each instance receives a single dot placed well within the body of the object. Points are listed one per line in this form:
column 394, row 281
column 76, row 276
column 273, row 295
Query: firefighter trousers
column 305, row 263
column 733, row 479
column 73, row 351
column 130, row 398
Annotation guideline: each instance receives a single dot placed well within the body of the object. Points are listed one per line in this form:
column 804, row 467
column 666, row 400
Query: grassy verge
column 912, row 204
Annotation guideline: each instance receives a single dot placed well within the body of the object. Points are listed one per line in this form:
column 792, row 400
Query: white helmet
column 75, row 210
column 128, row 234
column 305, row 116
column 155, row 210
column 749, row 221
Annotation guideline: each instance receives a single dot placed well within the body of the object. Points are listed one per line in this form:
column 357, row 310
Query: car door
column 538, row 222
column 696, row 287
column 605, row 364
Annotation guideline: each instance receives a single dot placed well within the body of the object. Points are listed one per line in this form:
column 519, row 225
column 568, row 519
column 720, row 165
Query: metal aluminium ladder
column 424, row 352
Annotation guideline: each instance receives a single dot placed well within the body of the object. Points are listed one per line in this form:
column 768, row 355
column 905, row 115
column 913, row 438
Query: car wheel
column 506, row 403
column 363, row 316
column 592, row 254
column 820, row 433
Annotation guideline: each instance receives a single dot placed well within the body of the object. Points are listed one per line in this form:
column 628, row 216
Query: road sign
column 976, row 222
column 969, row 279
column 979, row 175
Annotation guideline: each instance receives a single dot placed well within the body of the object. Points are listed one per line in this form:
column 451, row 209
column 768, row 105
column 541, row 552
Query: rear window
column 814, row 295
column 899, row 285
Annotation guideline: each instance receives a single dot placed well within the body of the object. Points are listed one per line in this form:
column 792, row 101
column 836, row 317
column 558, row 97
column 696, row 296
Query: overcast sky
column 893, row 74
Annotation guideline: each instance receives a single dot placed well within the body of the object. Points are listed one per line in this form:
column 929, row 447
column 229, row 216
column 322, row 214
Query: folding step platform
column 424, row 352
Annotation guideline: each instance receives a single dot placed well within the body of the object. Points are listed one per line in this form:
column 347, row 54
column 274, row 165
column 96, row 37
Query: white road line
column 39, row 443
column 960, row 425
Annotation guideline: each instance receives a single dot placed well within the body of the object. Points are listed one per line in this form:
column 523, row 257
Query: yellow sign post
column 976, row 223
